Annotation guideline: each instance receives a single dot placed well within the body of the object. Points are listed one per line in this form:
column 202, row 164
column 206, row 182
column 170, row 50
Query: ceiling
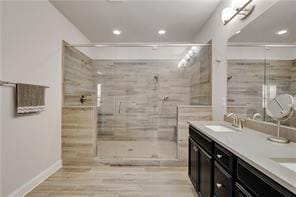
column 139, row 20
column 280, row 16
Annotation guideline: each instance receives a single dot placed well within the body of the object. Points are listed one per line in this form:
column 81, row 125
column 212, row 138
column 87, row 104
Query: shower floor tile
column 108, row 149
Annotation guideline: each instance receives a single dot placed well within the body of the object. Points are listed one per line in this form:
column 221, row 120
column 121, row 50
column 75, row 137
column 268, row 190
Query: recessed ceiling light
column 161, row 32
column 117, row 32
column 238, row 32
column 281, row 32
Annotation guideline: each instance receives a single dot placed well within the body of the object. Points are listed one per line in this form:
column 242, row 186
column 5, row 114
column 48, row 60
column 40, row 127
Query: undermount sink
column 219, row 128
column 289, row 163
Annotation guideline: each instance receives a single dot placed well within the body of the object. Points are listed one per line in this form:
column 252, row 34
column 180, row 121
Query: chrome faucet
column 257, row 116
column 236, row 121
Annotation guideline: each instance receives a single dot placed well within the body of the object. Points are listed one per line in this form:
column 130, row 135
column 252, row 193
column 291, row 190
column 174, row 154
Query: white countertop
column 253, row 147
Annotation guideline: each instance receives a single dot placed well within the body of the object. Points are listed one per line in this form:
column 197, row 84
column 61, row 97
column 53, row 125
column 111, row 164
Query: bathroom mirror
column 262, row 63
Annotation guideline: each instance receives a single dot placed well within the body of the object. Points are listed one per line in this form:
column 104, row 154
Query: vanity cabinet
column 200, row 163
column 217, row 172
column 257, row 183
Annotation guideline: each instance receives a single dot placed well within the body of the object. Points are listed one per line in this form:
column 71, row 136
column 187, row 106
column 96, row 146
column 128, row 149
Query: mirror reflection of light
column 282, row 32
column 268, row 92
column 188, row 57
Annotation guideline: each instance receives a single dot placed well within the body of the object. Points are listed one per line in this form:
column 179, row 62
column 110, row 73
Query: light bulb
column 187, row 57
column 179, row 65
column 227, row 13
column 190, row 53
column 194, row 50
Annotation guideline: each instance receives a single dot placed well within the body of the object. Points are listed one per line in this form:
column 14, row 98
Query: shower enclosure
column 137, row 90
column 137, row 107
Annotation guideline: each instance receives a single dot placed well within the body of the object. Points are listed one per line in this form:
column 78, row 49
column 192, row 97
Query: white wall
column 259, row 53
column 214, row 30
column 32, row 35
column 138, row 53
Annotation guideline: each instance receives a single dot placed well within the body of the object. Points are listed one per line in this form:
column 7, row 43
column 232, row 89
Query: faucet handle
column 241, row 123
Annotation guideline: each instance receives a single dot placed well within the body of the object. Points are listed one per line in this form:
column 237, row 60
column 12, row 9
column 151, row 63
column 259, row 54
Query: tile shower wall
column 246, row 79
column 139, row 99
column 200, row 93
column 78, row 120
column 78, row 133
column 189, row 113
column 78, row 78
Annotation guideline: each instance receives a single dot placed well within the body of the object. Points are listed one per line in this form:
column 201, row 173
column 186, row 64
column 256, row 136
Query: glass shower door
column 136, row 114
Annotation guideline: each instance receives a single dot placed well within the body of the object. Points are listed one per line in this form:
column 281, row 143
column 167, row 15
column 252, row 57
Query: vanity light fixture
column 161, row 32
column 241, row 8
column 282, row 32
column 117, row 32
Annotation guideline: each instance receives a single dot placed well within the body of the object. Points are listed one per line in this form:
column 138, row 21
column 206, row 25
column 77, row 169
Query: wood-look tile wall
column 132, row 105
column 189, row 113
column 78, row 133
column 200, row 93
column 246, row 85
column 78, row 120
column 79, row 80
column 293, row 90
column 293, row 77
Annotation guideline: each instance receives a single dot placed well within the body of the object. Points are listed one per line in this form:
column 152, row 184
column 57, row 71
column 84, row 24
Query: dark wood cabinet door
column 193, row 163
column 222, row 182
column 206, row 174
column 240, row 191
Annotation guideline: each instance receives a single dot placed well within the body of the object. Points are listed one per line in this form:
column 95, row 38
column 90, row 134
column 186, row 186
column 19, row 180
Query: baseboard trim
column 34, row 182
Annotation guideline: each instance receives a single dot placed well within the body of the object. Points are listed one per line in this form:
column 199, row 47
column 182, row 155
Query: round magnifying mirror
column 280, row 108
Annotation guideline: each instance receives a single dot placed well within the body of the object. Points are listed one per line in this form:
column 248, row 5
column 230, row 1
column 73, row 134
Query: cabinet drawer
column 224, row 157
column 203, row 141
column 222, row 182
column 257, row 183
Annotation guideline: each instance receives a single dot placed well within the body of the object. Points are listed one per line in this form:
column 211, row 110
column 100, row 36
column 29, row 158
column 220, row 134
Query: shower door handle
column 119, row 110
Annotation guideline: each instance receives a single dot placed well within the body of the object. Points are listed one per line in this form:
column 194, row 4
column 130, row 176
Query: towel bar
column 12, row 83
